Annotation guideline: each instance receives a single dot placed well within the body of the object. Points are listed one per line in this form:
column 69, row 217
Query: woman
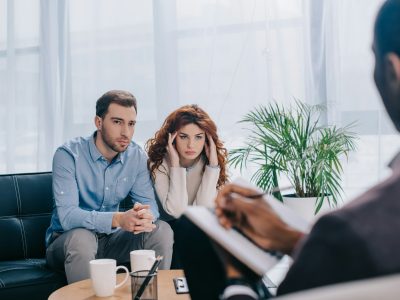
column 187, row 161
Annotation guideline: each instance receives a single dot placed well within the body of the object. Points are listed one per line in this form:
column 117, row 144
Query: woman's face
column 189, row 143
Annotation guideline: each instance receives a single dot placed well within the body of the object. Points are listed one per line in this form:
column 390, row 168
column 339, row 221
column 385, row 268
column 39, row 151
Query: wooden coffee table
column 83, row 289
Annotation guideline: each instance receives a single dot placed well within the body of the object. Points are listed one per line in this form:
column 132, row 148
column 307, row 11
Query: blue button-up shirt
column 87, row 188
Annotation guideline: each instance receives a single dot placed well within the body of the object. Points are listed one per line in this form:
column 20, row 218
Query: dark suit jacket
column 358, row 241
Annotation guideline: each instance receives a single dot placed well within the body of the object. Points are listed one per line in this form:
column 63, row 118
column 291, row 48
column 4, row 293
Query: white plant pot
column 305, row 207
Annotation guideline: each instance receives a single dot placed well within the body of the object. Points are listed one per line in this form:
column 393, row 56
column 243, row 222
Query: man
column 356, row 242
column 91, row 176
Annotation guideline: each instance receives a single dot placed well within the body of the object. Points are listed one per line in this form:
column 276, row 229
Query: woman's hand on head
column 211, row 151
column 171, row 150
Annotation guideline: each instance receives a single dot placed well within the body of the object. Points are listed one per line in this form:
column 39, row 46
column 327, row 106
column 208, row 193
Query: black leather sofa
column 26, row 202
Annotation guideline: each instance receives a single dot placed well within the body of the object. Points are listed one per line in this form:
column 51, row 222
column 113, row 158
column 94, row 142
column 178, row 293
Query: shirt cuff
column 213, row 167
column 104, row 222
column 235, row 290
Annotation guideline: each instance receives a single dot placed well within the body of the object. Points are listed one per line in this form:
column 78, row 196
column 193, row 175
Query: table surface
column 83, row 289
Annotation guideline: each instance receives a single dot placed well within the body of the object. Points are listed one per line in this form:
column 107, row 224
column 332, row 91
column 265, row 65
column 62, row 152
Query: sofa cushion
column 27, row 272
column 20, row 278
column 35, row 192
column 12, row 239
column 26, row 202
column 9, row 204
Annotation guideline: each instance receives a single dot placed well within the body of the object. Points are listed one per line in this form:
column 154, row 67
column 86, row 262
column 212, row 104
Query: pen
column 148, row 277
column 274, row 190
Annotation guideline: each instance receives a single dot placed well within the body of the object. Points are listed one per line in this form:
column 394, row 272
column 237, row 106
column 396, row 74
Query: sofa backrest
column 26, row 202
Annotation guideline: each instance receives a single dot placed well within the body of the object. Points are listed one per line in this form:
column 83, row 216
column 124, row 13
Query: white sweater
column 178, row 187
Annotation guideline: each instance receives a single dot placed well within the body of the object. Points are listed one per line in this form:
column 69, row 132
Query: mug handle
column 126, row 275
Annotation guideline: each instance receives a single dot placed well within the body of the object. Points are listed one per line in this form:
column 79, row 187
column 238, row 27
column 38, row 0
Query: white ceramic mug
column 142, row 260
column 103, row 273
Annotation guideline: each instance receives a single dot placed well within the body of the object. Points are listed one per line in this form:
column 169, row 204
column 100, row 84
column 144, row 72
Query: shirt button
column 62, row 192
column 103, row 206
column 107, row 188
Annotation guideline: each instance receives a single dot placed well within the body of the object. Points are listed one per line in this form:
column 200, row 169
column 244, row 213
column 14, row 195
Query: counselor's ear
column 392, row 70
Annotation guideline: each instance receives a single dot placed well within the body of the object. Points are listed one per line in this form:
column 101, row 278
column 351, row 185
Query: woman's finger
column 210, row 140
column 207, row 150
column 174, row 136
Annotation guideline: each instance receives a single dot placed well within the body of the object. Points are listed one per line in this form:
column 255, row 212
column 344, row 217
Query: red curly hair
column 188, row 114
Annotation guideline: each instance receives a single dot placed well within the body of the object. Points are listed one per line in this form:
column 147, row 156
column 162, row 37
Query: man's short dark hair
column 122, row 98
column 387, row 28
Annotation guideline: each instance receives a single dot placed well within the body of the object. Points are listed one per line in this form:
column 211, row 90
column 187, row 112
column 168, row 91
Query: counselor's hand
column 255, row 218
column 211, row 151
column 171, row 150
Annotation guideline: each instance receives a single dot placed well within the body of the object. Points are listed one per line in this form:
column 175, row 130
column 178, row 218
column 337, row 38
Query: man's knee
column 80, row 241
column 163, row 234
column 78, row 236
column 160, row 239
column 77, row 242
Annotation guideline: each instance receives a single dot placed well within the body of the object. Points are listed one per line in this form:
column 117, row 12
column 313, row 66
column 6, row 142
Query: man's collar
column 94, row 152
column 119, row 158
column 96, row 155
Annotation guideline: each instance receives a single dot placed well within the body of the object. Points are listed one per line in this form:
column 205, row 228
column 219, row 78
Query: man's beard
column 109, row 142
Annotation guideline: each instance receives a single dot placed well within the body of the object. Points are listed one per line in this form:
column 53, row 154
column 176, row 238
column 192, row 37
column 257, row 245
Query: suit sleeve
column 332, row 253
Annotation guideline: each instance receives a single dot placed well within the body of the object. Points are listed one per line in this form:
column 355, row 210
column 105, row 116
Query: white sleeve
column 171, row 189
column 236, row 290
column 208, row 187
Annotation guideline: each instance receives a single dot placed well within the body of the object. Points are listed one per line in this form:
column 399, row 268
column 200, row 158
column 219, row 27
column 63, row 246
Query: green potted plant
column 290, row 142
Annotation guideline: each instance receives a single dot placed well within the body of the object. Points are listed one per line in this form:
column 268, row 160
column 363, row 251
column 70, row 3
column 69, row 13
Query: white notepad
column 255, row 258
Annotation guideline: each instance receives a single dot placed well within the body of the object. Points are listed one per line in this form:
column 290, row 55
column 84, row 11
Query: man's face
column 117, row 127
column 388, row 85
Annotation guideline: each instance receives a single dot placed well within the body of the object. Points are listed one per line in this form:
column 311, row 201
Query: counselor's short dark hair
column 387, row 28
column 119, row 97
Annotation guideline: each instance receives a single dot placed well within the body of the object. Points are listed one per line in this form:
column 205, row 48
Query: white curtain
column 54, row 78
column 58, row 56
